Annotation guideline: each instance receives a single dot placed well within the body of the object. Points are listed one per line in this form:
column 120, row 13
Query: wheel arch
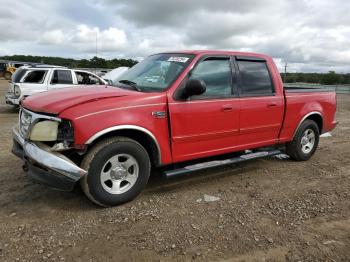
column 137, row 133
column 315, row 116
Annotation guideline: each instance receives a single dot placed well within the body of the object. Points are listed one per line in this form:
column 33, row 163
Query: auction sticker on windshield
column 178, row 59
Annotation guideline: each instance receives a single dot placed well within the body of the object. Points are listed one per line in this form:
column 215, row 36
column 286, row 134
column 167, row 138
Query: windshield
column 156, row 73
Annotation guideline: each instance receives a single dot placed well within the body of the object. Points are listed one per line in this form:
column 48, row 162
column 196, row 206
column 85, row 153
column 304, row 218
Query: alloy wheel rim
column 307, row 141
column 119, row 174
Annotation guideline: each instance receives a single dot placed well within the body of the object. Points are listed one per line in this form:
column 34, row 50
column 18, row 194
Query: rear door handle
column 226, row 108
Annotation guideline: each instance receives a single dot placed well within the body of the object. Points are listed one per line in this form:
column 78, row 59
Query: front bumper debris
column 44, row 166
column 11, row 99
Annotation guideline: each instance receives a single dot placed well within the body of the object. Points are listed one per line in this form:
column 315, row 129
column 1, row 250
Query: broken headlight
column 44, row 131
column 65, row 131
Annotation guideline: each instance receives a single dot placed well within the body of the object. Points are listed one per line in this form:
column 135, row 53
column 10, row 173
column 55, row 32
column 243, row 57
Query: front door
column 206, row 124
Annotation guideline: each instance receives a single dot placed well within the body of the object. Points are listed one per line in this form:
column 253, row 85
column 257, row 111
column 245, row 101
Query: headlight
column 17, row 91
column 44, row 131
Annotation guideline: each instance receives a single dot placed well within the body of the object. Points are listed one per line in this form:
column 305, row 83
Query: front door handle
column 226, row 108
column 271, row 104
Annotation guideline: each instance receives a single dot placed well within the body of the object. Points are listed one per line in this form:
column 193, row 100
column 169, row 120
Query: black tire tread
column 292, row 148
column 91, row 155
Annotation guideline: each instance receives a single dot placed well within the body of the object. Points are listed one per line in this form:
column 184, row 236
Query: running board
column 216, row 163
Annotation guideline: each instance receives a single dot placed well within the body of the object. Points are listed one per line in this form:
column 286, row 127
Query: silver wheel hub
column 119, row 174
column 307, row 141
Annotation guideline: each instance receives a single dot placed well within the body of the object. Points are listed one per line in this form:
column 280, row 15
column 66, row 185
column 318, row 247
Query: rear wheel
column 305, row 141
column 7, row 75
column 118, row 169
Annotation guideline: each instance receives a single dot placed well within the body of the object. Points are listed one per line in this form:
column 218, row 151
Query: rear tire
column 117, row 171
column 305, row 141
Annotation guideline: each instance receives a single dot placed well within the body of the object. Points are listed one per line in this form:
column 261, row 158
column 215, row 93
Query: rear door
column 206, row 124
column 261, row 104
column 61, row 78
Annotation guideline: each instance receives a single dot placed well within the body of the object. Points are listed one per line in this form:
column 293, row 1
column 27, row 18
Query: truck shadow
column 159, row 184
column 38, row 196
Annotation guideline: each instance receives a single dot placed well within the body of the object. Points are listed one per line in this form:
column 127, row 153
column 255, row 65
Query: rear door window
column 62, row 77
column 255, row 78
column 35, row 77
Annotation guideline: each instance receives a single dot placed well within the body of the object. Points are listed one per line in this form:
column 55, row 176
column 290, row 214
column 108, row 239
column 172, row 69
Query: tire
column 305, row 141
column 117, row 171
column 7, row 75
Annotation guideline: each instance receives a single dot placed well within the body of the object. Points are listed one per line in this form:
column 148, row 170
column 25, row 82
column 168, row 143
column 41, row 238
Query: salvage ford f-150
column 181, row 111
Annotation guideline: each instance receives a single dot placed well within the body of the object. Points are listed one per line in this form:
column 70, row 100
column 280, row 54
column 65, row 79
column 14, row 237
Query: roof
column 43, row 66
column 219, row 52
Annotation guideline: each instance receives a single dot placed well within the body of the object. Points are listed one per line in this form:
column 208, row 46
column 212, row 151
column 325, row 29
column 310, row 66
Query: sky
column 310, row 35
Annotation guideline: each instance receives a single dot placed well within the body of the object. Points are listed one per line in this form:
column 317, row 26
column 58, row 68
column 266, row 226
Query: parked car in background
column 113, row 75
column 167, row 110
column 29, row 80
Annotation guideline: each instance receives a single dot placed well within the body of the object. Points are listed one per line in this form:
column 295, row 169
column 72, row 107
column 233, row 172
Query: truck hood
column 55, row 101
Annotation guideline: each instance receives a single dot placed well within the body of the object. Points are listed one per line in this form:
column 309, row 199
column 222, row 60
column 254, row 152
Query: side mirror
column 194, row 87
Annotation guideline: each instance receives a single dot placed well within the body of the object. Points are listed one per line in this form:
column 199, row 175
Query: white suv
column 28, row 80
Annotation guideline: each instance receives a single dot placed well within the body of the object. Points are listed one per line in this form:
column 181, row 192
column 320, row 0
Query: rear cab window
column 255, row 79
column 62, row 77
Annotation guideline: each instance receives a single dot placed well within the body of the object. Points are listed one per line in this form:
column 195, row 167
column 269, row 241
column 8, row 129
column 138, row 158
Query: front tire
column 305, row 141
column 117, row 171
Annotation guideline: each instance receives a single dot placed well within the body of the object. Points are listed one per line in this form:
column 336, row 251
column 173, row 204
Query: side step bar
column 216, row 163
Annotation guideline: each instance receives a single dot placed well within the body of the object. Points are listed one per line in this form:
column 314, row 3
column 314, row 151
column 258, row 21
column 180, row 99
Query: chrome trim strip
column 52, row 161
column 119, row 108
column 38, row 116
column 302, row 120
column 123, row 127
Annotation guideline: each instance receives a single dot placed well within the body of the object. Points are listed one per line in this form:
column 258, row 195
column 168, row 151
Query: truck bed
column 303, row 89
column 301, row 101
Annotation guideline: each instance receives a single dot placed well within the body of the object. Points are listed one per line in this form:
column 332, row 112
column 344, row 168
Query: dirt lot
column 270, row 209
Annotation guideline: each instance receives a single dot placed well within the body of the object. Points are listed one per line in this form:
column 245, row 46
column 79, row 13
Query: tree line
column 95, row 62
column 330, row 78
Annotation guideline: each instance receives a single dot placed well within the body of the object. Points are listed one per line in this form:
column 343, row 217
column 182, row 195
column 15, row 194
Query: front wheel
column 305, row 141
column 117, row 171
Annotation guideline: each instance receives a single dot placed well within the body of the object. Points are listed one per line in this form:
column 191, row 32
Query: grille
column 24, row 122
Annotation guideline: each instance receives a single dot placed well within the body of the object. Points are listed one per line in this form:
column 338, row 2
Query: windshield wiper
column 130, row 83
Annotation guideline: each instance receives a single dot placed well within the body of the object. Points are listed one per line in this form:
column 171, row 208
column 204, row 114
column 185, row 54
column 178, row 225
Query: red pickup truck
column 181, row 111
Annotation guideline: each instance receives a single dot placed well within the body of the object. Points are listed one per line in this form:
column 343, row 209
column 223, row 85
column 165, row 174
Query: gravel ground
column 268, row 209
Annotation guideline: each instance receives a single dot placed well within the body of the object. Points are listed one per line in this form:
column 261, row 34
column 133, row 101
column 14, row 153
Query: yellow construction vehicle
column 8, row 68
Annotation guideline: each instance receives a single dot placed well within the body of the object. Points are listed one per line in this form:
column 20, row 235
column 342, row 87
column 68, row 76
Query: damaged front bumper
column 46, row 166
column 11, row 99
